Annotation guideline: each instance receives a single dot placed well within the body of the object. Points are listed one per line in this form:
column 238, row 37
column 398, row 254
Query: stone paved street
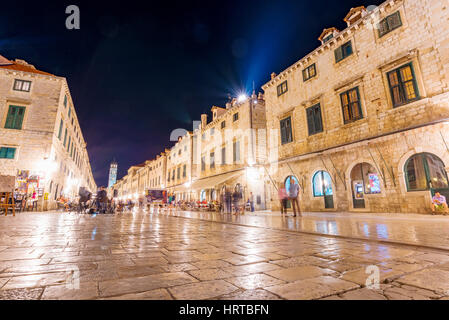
column 160, row 256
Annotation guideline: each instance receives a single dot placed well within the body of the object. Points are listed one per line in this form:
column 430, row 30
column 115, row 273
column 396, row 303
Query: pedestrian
column 251, row 201
column 236, row 201
column 34, row 201
column 293, row 196
column 228, row 200
column 439, row 203
column 282, row 193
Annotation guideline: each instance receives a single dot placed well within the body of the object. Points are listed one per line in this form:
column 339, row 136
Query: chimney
column 203, row 120
column 273, row 75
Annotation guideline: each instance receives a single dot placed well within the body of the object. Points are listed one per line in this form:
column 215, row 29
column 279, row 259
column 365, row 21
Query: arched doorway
column 322, row 187
column 364, row 180
column 425, row 171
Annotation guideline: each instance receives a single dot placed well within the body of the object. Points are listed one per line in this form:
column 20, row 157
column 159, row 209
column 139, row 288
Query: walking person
column 236, row 201
column 282, row 193
column 251, row 201
column 228, row 200
column 293, row 196
column 34, row 201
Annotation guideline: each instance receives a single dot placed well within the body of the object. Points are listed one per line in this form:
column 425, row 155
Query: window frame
column 343, row 52
column 309, row 121
column 401, row 85
column 389, row 28
column 281, row 89
column 7, row 150
column 307, row 71
column 284, row 120
column 359, row 103
column 13, row 124
column 426, row 171
column 21, row 82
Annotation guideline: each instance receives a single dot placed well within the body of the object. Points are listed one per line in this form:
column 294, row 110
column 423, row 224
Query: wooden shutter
column 317, row 118
column 310, row 122
column 394, row 21
column 338, row 54
column 383, row 27
column 10, row 118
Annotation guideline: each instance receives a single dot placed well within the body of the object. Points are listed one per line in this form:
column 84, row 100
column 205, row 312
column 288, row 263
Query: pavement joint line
column 387, row 242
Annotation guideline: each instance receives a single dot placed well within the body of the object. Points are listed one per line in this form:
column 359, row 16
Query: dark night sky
column 138, row 70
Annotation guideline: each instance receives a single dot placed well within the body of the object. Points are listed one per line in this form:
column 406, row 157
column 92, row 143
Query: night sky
column 139, row 70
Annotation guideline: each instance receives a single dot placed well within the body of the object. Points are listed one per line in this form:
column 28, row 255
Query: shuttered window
column 65, row 137
column 223, row 155
column 314, row 120
column 212, row 160
column 403, row 86
column 309, row 72
column 350, row 102
column 61, row 124
column 236, row 151
column 14, row 118
column 235, row 117
column 7, row 153
column 282, row 88
column 286, row 130
column 184, row 171
column 343, row 51
column 390, row 23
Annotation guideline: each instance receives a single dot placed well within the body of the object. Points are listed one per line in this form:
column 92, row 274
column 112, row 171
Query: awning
column 212, row 182
column 208, row 183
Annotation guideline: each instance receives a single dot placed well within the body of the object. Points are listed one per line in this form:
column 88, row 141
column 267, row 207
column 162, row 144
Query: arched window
column 424, row 171
column 287, row 183
column 366, row 175
column 322, row 184
column 203, row 195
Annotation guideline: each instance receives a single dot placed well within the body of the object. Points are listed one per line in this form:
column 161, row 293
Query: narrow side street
column 160, row 256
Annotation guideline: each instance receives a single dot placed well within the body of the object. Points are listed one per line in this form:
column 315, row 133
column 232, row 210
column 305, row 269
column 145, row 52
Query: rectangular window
column 223, row 124
column 343, row 51
column 178, row 173
column 22, row 85
column 212, row 131
column 326, row 39
column 203, row 163
column 350, row 103
column 7, row 153
column 314, row 120
column 14, row 118
column 173, row 175
column 65, row 137
column 390, row 23
column 65, row 101
column 282, row 88
column 70, row 112
column 184, row 171
column 309, row 72
column 403, row 86
column 223, row 155
column 236, row 151
column 61, row 125
column 212, row 160
column 286, row 130
column 235, row 117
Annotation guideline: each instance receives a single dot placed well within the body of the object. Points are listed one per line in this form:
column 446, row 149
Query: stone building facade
column 362, row 121
column 40, row 137
column 229, row 152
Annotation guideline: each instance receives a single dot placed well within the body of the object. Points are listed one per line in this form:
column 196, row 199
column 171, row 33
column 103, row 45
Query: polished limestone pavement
column 178, row 255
